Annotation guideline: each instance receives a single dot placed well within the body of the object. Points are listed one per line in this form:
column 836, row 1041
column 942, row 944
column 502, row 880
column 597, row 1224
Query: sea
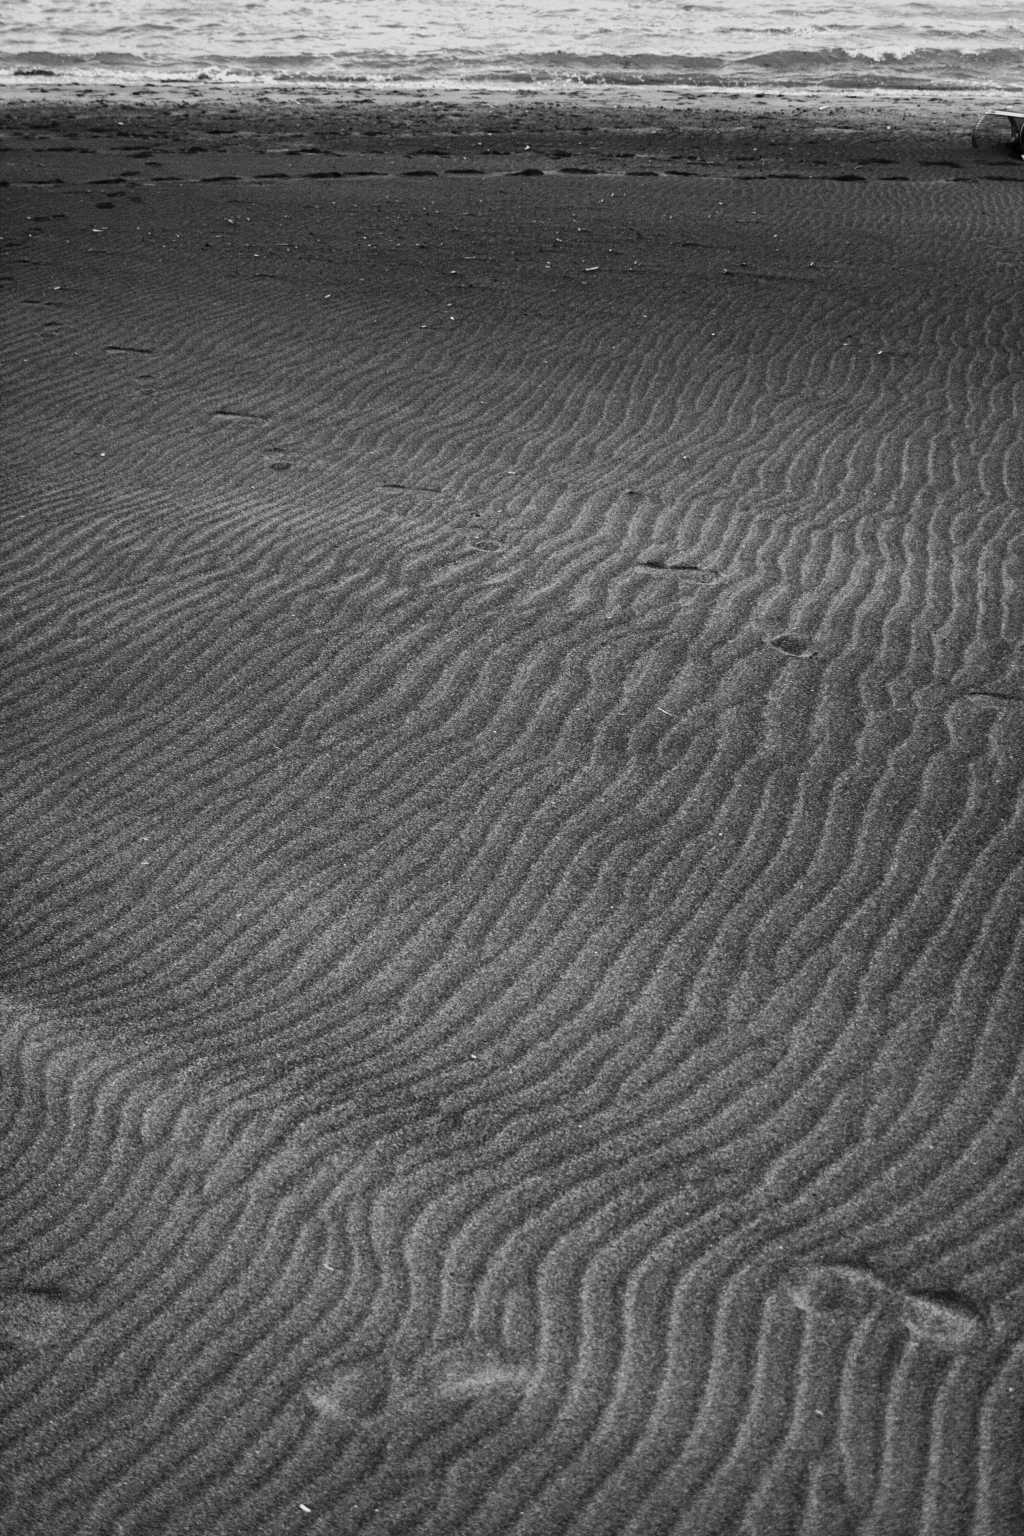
column 490, row 43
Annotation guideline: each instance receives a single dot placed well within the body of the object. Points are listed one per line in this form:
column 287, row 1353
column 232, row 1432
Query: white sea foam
column 602, row 41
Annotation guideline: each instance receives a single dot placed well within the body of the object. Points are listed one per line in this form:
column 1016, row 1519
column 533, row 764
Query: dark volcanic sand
column 513, row 733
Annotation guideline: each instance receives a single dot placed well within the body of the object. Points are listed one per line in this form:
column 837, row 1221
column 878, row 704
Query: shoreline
column 811, row 131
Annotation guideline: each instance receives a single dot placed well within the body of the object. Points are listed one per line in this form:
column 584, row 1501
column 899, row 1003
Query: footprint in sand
column 351, row 1394
column 38, row 1319
column 840, row 1289
column 945, row 1321
column 354, row 1394
column 464, row 1373
column 948, row 1323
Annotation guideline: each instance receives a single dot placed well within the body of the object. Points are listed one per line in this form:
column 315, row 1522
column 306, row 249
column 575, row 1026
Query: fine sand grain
column 513, row 731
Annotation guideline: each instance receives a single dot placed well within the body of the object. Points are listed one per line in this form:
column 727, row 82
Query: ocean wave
column 918, row 67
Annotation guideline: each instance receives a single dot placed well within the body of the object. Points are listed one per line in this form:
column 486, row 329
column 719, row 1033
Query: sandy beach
column 513, row 743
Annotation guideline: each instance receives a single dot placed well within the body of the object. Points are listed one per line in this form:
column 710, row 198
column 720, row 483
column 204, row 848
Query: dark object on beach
column 792, row 645
column 1016, row 118
column 657, row 563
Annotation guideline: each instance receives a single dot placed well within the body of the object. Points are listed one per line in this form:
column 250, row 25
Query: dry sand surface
column 512, row 823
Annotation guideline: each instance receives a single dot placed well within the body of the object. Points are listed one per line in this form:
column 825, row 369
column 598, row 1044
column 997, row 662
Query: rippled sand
column 513, row 741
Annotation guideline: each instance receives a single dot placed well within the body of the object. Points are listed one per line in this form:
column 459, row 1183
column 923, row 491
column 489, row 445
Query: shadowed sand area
column 513, row 730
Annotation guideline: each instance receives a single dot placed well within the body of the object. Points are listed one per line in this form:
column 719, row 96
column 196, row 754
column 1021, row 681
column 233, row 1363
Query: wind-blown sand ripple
column 513, row 836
